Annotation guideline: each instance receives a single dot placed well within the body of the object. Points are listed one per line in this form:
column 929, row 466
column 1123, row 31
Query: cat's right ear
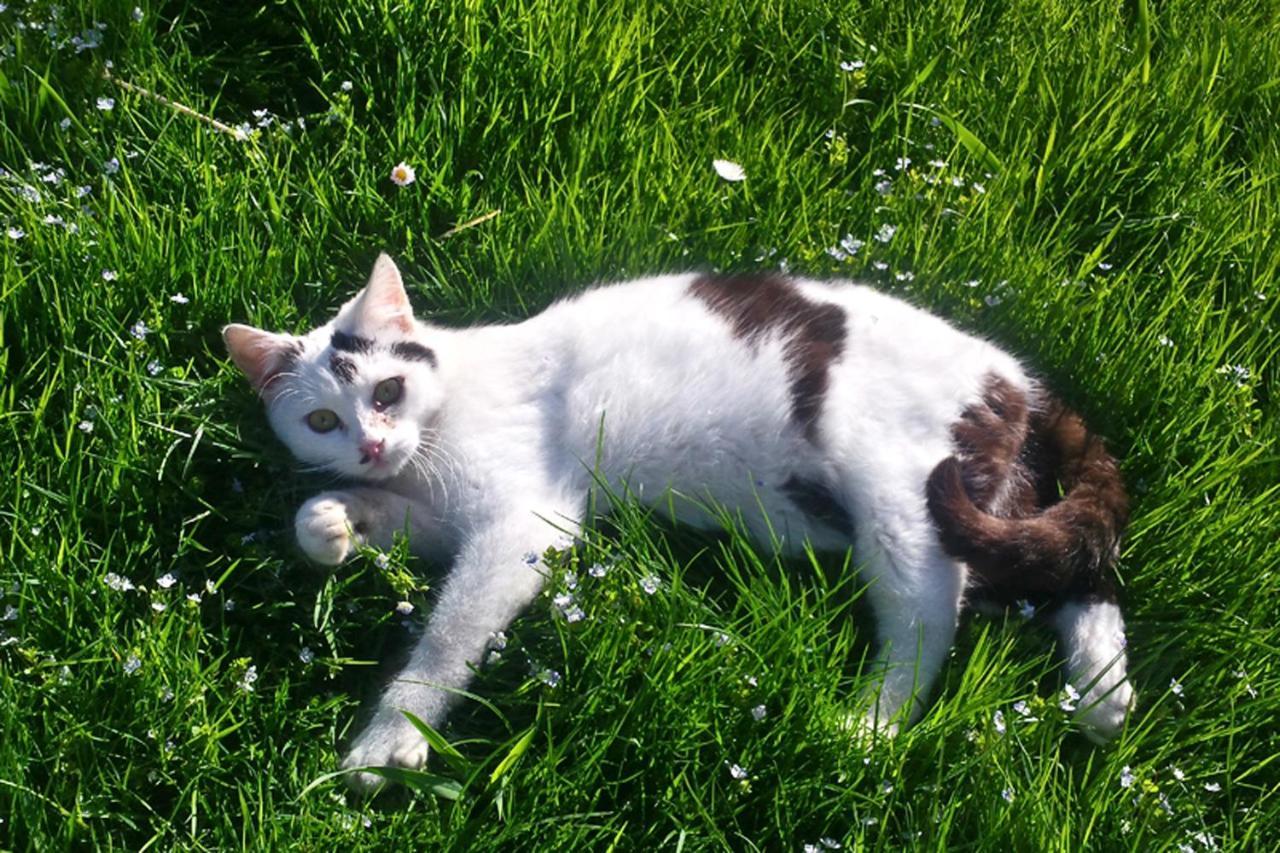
column 261, row 355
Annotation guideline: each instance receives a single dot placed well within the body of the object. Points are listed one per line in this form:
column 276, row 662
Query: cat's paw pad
column 387, row 742
column 324, row 529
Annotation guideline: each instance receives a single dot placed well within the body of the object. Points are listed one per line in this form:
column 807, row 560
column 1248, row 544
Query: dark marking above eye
column 411, row 351
column 814, row 332
column 343, row 368
column 350, row 343
column 816, row 500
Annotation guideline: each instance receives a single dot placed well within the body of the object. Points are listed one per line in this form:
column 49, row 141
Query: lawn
column 1093, row 185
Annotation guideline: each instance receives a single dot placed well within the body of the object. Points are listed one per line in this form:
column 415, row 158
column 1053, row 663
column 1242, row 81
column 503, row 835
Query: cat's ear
column 261, row 355
column 383, row 303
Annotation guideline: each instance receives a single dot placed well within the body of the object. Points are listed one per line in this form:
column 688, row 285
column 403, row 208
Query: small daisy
column 729, row 170
column 106, row 104
column 403, row 175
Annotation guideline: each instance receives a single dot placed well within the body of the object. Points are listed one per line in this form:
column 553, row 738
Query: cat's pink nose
column 371, row 451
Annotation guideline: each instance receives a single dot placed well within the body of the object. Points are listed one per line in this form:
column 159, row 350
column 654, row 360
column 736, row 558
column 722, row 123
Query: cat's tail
column 1068, row 544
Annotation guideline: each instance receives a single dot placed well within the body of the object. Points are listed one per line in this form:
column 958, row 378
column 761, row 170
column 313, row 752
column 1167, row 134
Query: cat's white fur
column 491, row 456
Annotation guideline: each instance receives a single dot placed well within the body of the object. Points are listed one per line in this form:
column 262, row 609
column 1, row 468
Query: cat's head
column 354, row 396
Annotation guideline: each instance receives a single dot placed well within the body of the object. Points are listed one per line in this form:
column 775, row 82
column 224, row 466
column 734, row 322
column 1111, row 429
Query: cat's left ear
column 383, row 303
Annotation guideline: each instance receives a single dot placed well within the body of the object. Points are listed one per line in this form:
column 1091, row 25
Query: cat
column 822, row 413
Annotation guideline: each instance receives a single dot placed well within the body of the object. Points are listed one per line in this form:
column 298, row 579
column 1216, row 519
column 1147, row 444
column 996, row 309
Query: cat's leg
column 496, row 575
column 331, row 524
column 1093, row 639
column 916, row 592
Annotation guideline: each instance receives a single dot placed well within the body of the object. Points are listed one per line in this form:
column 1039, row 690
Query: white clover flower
column 179, row 299
column 1126, row 777
column 404, row 608
column 306, row 655
column 650, row 584
column 886, row 232
column 759, row 712
column 110, row 275
column 139, row 330
column 106, row 104
column 997, row 722
column 166, row 580
column 737, row 771
column 132, row 664
column 247, row 680
column 403, row 175
column 729, row 170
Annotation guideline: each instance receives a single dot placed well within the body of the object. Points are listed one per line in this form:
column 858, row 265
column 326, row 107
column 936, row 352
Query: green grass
column 1140, row 136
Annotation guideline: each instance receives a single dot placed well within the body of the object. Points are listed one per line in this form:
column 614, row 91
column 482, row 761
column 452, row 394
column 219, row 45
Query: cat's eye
column 388, row 391
column 322, row 420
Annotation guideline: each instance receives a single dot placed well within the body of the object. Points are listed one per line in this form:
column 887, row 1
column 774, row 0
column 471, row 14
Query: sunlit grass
column 1092, row 186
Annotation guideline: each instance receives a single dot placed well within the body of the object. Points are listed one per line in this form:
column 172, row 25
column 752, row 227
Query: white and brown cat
column 821, row 413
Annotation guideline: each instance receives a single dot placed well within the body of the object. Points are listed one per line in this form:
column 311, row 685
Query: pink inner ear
column 384, row 301
column 261, row 355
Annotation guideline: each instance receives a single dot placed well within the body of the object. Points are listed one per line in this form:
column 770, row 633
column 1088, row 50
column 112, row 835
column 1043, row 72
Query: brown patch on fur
column 343, row 368
column 1031, row 501
column 759, row 305
column 815, row 500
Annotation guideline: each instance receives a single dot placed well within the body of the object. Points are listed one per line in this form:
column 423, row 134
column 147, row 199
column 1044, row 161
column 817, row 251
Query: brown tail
column 1051, row 547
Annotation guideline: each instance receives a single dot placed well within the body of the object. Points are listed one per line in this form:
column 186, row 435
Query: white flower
column 404, row 608
column 1165, row 341
column 110, row 275
column 729, row 170
column 737, row 771
column 1126, row 777
column 1237, row 372
column 992, row 300
column 1026, row 609
column 118, row 583
column 884, row 187
column 53, row 219
column 549, row 677
column 111, row 166
column 574, row 613
column 166, row 580
column 65, row 123
column 193, row 597
column 850, row 244
column 179, row 299
column 837, row 253
column 650, row 584
column 598, row 570
column 997, row 721
column 16, row 233
column 382, row 561
column 158, row 606
column 1174, row 687
column 880, row 265
column 759, row 712
column 83, row 191
column 137, row 14
column 886, row 232
column 347, row 86
column 139, row 330
column 1070, row 696
column 938, row 164
column 852, row 65
column 1177, row 773
column 132, row 664
column 1104, row 266
column 905, row 276
column 886, row 787
column 106, row 104
column 154, row 367
column 957, row 181
column 829, row 843
column 979, row 189
column 498, row 640
column 1007, row 794
column 902, row 163
column 403, row 175
column 1212, row 787
column 306, row 655
column 85, row 426
column 246, row 681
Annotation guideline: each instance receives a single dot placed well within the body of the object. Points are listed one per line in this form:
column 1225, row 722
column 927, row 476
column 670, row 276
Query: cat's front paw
column 389, row 740
column 325, row 529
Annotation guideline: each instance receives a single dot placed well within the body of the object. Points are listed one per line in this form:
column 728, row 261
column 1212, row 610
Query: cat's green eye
column 388, row 391
column 322, row 420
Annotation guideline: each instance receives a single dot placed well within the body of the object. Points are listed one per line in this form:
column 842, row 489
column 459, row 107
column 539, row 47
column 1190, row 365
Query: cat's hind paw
column 386, row 742
column 324, row 529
